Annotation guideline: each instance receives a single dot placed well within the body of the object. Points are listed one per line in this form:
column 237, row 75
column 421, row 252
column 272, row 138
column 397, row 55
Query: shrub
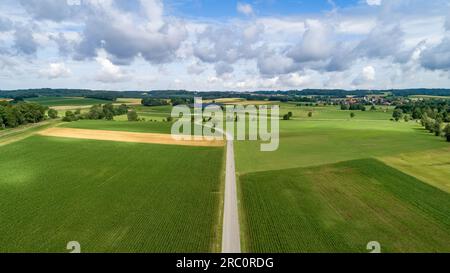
column 132, row 116
column 52, row 113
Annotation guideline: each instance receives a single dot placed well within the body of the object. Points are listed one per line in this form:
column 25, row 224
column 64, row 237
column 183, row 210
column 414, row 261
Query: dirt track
column 127, row 137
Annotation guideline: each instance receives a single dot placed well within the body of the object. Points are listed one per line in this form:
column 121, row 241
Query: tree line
column 13, row 115
column 169, row 101
column 97, row 112
column 435, row 109
column 434, row 115
column 354, row 107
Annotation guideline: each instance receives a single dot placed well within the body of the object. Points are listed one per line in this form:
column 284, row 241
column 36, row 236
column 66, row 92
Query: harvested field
column 128, row 101
column 70, row 107
column 127, row 137
column 250, row 102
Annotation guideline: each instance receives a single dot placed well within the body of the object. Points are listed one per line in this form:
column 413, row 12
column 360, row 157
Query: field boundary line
column 20, row 133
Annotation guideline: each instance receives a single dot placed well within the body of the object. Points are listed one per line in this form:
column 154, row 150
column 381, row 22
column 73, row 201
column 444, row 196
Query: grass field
column 66, row 101
column 308, row 143
column 342, row 207
column 334, row 112
column 432, row 166
column 319, row 193
column 138, row 127
column 109, row 196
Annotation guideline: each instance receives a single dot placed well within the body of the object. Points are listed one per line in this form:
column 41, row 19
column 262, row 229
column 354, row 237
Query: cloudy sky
column 224, row 45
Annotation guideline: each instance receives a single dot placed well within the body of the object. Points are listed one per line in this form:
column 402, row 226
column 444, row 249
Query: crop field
column 109, row 196
column 65, row 101
column 133, row 137
column 342, row 207
column 225, row 100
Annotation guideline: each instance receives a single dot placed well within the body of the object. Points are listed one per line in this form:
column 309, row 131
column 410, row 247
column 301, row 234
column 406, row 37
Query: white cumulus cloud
column 373, row 2
column 369, row 73
column 109, row 73
column 245, row 8
column 56, row 70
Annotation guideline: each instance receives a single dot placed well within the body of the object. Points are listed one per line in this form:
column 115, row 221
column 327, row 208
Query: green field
column 334, row 112
column 342, row 207
column 109, row 196
column 139, row 127
column 319, row 192
column 309, row 143
column 432, row 166
column 66, row 101
column 335, row 184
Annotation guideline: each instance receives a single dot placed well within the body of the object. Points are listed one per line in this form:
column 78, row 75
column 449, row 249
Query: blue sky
column 224, row 45
column 227, row 9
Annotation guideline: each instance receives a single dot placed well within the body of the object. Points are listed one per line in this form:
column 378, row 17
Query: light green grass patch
column 334, row 112
column 138, row 127
column 309, row 143
column 431, row 166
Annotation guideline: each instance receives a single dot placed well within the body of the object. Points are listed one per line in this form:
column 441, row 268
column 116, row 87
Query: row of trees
column 154, row 102
column 96, row 112
column 436, row 126
column 162, row 101
column 353, row 107
column 433, row 115
column 435, row 109
column 13, row 115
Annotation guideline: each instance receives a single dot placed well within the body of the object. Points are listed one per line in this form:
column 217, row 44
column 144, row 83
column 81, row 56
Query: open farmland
column 109, row 196
column 153, row 138
column 319, row 193
column 66, row 101
column 342, row 207
column 311, row 142
column 334, row 113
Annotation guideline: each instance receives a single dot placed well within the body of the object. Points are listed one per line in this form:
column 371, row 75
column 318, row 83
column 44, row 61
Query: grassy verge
column 12, row 135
